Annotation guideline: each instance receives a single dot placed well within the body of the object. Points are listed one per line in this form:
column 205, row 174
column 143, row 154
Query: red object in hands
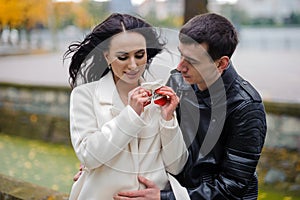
column 159, row 99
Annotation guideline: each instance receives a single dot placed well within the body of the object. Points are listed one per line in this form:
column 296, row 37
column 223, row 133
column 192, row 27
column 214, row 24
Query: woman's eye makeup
column 138, row 55
column 122, row 57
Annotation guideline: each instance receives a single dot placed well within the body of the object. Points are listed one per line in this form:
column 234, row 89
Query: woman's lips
column 132, row 74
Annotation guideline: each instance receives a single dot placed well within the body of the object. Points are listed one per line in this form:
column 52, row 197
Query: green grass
column 45, row 164
column 271, row 193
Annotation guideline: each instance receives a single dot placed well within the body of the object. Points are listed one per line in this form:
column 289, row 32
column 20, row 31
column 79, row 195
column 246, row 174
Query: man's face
column 196, row 66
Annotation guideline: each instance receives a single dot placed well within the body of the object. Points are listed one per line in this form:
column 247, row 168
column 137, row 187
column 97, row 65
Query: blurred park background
column 34, row 90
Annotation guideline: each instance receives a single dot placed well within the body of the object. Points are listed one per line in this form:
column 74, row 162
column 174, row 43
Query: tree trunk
column 194, row 7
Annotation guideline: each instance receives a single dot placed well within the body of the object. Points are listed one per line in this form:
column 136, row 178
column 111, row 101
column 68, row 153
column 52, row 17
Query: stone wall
column 35, row 112
column 52, row 101
column 14, row 189
column 283, row 131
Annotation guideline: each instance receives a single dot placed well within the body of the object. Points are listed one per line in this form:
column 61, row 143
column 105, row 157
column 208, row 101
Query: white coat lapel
column 108, row 95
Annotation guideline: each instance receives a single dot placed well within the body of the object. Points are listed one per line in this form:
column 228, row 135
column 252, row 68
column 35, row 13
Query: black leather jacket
column 230, row 122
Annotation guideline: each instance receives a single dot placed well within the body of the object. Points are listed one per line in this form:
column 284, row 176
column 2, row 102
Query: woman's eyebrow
column 124, row 52
column 140, row 51
column 121, row 52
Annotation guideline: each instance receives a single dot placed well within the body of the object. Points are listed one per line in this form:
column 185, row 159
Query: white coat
column 116, row 145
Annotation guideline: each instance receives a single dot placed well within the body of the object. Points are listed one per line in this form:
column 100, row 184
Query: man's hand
column 78, row 174
column 152, row 192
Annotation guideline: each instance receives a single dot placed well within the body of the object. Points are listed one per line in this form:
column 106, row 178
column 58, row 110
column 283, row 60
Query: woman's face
column 127, row 56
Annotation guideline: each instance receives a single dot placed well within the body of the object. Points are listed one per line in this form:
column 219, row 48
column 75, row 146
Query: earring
column 109, row 66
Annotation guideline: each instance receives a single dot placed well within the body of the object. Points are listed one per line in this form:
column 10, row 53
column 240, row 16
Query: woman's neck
column 124, row 88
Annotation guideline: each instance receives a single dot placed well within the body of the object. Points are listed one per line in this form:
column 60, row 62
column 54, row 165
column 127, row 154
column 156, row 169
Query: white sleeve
column 95, row 145
column 174, row 151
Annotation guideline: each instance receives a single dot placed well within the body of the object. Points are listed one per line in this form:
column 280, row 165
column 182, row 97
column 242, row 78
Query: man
column 221, row 116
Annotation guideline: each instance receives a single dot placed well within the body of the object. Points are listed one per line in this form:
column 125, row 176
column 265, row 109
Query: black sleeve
column 247, row 126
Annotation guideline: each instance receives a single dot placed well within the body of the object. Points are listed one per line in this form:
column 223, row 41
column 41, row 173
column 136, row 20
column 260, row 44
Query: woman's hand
column 172, row 101
column 138, row 98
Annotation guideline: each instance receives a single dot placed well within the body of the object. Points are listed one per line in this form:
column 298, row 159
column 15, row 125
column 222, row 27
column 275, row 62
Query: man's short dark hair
column 214, row 30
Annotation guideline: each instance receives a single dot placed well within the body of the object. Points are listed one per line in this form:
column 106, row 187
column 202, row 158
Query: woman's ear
column 222, row 63
column 106, row 56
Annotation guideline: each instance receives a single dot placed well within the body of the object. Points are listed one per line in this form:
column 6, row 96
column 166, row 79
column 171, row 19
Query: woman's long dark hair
column 88, row 63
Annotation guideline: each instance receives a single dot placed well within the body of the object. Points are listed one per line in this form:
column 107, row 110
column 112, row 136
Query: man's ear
column 223, row 63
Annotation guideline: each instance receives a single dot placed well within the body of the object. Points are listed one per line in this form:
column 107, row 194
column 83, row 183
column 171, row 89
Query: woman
column 117, row 132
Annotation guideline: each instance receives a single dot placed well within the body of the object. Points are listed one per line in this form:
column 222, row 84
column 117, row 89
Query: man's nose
column 181, row 65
